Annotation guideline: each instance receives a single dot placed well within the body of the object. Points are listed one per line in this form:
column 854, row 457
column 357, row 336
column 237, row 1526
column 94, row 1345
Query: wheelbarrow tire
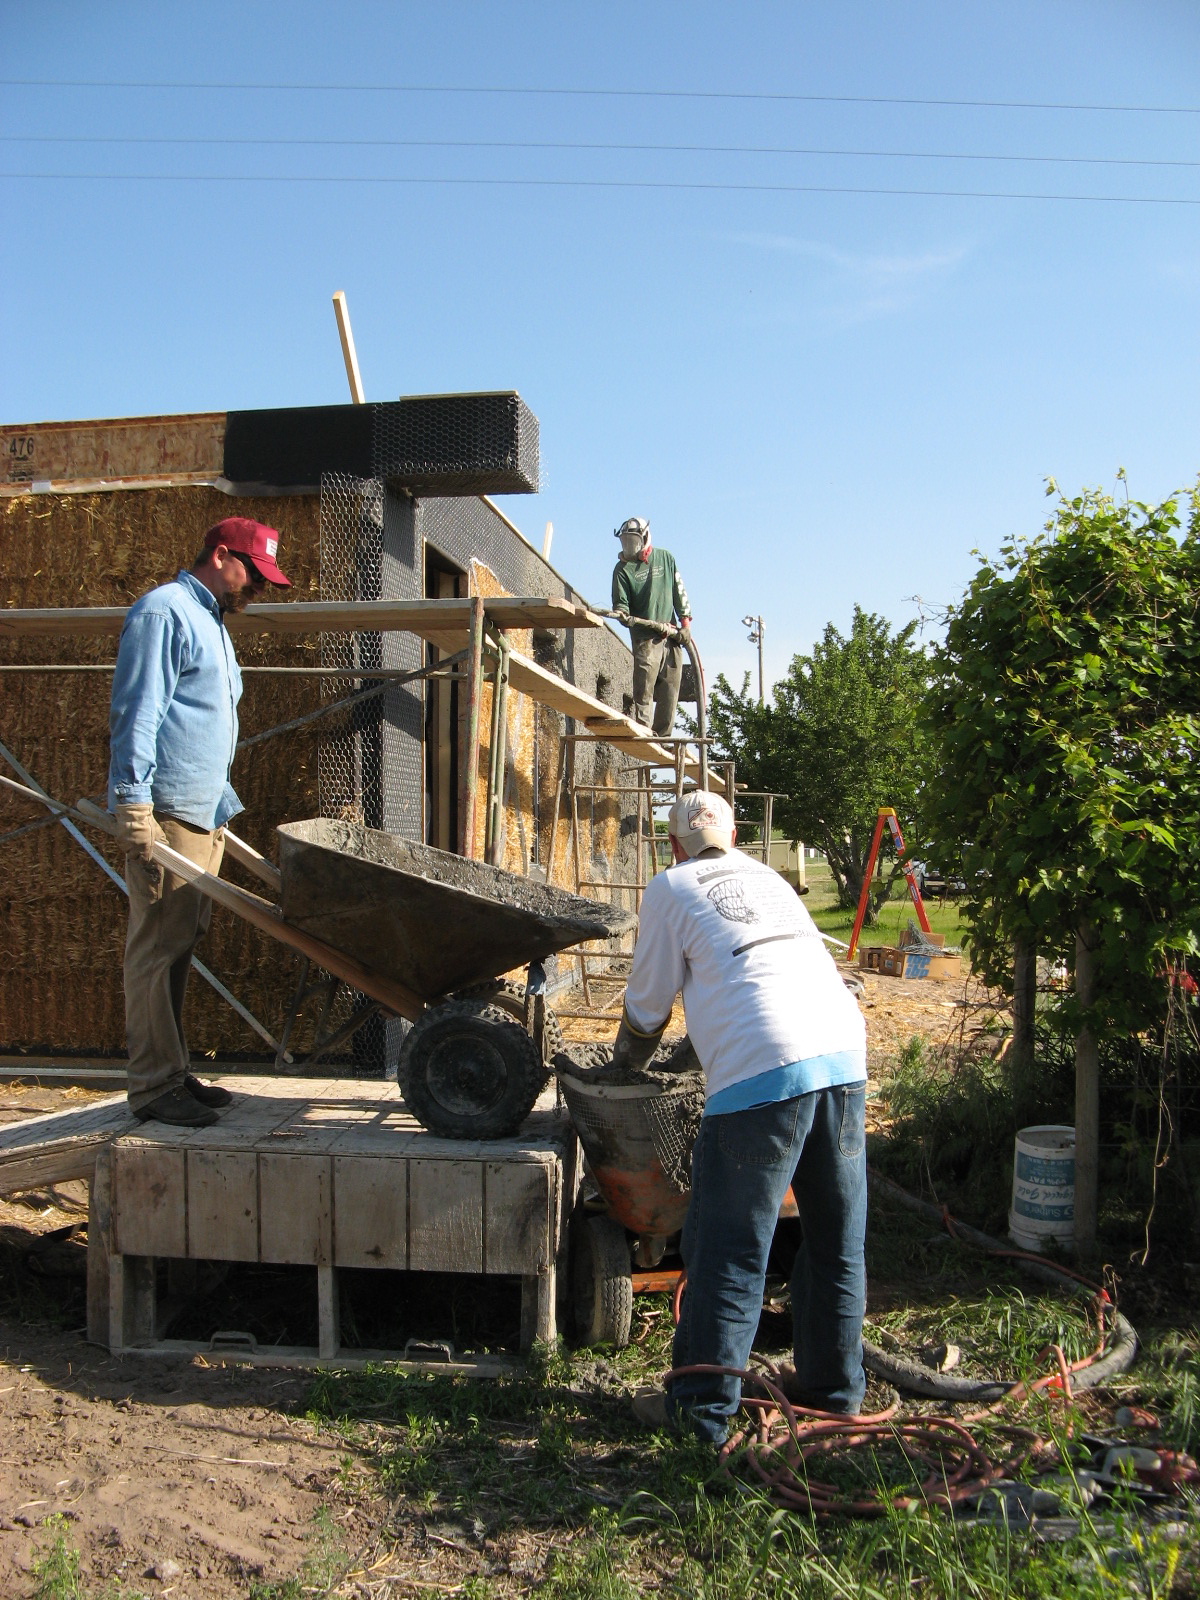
column 510, row 997
column 468, row 1071
column 601, row 1280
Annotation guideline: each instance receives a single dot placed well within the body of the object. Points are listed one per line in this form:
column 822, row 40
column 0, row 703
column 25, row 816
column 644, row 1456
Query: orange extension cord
column 782, row 1440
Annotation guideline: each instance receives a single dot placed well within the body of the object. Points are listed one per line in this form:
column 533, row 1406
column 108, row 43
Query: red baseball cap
column 254, row 539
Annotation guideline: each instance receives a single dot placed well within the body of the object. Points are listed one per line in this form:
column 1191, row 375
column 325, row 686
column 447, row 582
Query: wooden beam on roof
column 425, row 618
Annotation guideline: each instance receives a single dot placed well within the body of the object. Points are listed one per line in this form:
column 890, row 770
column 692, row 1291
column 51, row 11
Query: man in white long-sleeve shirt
column 783, row 1047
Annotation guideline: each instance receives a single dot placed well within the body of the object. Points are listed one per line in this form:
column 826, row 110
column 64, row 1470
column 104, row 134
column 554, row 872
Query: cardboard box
column 923, row 964
column 868, row 957
column 910, row 937
column 892, row 961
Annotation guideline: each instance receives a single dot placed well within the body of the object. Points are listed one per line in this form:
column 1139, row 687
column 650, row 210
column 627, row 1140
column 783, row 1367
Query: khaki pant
column 657, row 674
column 166, row 918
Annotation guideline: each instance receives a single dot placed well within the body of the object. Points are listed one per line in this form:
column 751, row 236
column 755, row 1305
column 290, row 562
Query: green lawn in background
column 821, row 902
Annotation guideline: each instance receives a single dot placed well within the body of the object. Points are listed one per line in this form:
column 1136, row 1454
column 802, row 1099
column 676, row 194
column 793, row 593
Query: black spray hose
column 683, row 636
column 914, row 1378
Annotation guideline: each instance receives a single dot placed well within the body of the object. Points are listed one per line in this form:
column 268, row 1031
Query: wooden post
column 537, row 1308
column 99, row 1231
column 498, row 756
column 1020, row 1056
column 468, row 760
column 1087, row 1097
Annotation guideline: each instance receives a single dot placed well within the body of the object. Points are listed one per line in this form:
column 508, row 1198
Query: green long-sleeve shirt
column 651, row 589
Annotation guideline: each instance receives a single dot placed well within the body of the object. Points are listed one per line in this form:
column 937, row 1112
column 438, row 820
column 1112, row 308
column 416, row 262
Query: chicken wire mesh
column 368, row 760
column 457, row 444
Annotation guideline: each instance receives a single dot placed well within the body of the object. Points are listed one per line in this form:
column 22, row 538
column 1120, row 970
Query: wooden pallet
column 326, row 1173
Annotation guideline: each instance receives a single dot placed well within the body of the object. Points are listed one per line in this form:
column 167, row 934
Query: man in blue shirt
column 173, row 730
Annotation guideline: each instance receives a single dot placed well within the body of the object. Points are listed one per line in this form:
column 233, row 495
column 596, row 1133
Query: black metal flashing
column 455, row 444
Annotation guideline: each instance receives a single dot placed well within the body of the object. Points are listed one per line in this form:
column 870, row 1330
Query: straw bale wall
column 62, row 922
column 539, row 767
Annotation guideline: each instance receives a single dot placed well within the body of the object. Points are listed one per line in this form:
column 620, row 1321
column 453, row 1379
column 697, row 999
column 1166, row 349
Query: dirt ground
column 196, row 1477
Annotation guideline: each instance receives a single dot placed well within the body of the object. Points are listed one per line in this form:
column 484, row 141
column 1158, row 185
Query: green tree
column 1063, row 712
column 840, row 740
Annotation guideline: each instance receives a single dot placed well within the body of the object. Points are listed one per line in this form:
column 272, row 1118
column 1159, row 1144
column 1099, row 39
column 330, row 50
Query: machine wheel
column 601, row 1280
column 510, row 997
column 468, row 1071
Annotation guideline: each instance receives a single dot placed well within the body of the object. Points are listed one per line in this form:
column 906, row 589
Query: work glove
column 135, row 830
column 633, row 1050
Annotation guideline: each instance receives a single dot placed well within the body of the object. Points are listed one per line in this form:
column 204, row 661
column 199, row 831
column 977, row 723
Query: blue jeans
column 742, row 1165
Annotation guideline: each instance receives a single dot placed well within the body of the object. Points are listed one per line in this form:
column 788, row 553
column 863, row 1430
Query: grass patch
column 322, row 1567
column 550, row 1460
column 56, row 1566
column 821, row 904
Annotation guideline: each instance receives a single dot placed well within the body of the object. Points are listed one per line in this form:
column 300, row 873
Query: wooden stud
column 349, row 354
column 468, row 752
column 131, row 1308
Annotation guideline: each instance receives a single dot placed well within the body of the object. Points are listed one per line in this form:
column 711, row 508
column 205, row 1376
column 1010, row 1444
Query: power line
column 596, row 183
column 603, row 93
column 570, row 145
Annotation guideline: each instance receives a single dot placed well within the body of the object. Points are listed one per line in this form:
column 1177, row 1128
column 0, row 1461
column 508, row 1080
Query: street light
column 755, row 625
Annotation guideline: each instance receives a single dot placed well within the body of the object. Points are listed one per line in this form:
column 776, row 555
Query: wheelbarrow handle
column 244, row 854
column 253, row 908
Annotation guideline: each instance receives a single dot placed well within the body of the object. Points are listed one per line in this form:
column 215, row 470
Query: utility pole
column 755, row 625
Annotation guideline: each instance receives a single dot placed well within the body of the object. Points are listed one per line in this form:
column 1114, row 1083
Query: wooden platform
column 326, row 1173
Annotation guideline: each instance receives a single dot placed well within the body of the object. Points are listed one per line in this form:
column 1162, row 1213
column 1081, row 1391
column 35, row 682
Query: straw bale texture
column 62, row 923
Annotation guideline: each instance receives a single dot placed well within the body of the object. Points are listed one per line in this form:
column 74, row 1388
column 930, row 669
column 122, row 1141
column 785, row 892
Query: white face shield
column 634, row 534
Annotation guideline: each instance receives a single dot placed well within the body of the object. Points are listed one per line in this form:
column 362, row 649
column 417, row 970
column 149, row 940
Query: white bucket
column 1043, row 1193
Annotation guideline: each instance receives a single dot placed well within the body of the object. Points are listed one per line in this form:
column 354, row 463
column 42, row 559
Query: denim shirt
column 173, row 722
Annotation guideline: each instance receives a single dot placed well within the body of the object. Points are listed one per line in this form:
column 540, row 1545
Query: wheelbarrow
column 426, row 935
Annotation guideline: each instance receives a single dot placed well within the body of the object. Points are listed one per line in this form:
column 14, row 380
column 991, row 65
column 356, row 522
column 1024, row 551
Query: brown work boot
column 649, row 1407
column 178, row 1108
column 208, row 1094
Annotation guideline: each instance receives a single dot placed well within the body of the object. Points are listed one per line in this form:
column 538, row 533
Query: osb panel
column 122, row 447
column 62, row 923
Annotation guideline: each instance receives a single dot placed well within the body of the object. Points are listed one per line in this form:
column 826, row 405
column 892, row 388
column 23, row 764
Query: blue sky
column 817, row 398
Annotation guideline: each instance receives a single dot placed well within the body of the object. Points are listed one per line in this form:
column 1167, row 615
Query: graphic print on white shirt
column 760, row 990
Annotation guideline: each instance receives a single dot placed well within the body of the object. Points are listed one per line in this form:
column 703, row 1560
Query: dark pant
column 657, row 675
column 742, row 1165
column 166, row 918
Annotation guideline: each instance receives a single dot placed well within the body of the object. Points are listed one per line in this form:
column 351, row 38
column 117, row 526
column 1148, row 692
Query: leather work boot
column 649, row 1407
column 177, row 1107
column 208, row 1094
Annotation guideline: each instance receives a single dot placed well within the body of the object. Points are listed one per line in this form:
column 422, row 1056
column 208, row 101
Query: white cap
column 701, row 821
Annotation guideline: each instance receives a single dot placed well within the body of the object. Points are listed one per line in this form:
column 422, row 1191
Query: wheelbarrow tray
column 432, row 921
